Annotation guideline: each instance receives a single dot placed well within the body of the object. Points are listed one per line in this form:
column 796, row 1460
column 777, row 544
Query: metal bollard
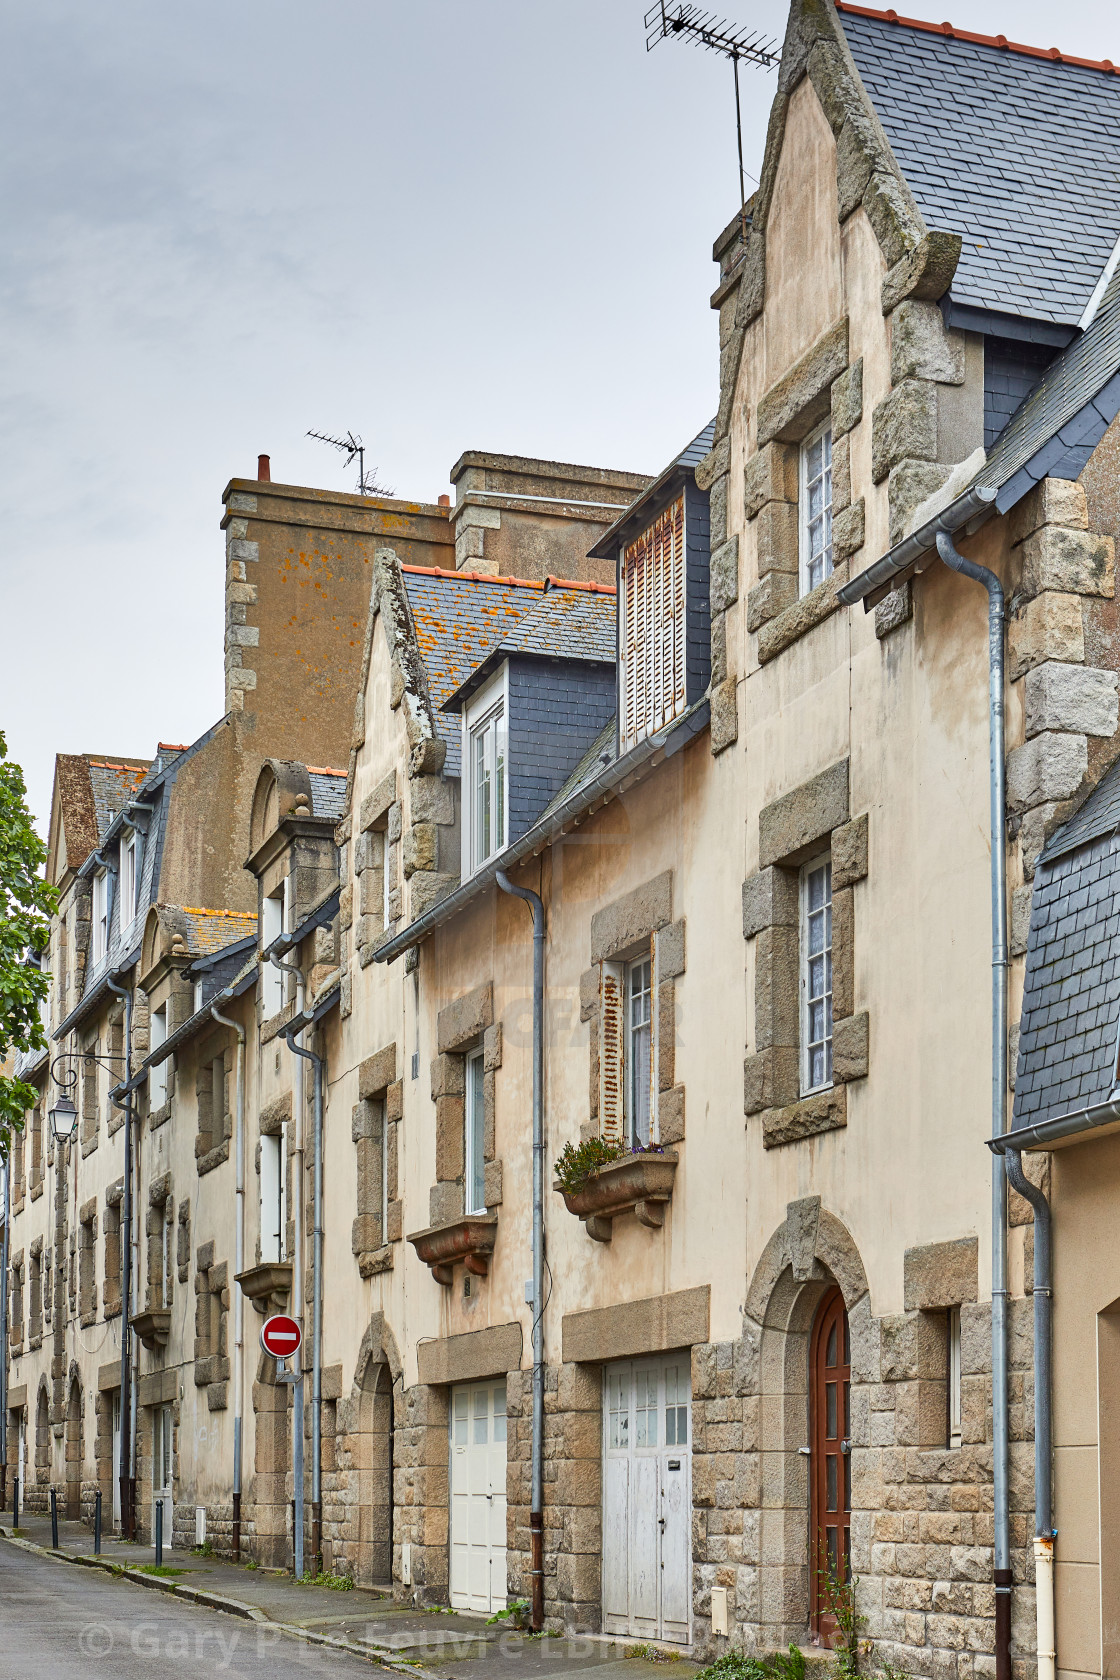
column 15, row 1501
column 159, row 1531
column 54, row 1519
column 97, row 1521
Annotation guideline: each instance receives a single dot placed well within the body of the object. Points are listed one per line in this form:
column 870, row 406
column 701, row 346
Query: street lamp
column 63, row 1118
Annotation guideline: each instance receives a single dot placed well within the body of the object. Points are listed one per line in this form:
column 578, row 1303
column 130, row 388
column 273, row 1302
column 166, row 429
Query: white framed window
column 272, row 1197
column 815, row 508
column 639, row 1032
column 128, row 881
column 272, row 978
column 386, row 880
column 953, row 1419
column 157, row 1076
column 475, row 1136
column 100, row 915
column 485, row 773
column 816, row 975
column 652, row 627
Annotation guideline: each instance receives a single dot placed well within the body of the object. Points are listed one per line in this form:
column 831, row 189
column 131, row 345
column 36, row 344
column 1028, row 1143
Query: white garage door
column 647, row 1498
column 478, row 1496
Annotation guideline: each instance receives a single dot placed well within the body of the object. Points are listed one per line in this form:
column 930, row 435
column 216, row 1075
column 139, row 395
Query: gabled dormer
column 661, row 550
column 529, row 712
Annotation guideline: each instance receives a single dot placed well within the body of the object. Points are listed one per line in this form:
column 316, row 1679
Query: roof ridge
column 474, row 577
column 1053, row 54
column 322, row 770
column 590, row 587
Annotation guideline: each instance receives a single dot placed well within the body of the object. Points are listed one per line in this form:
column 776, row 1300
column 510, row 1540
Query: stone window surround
column 183, row 1249
column 791, row 830
column 35, row 1294
column 274, row 1120
column 161, row 1264
column 377, row 848
column 211, row 1363
column 462, row 1026
column 90, row 1124
column 111, row 1233
column 87, row 1261
column 36, row 1176
column 15, row 1327
column 380, row 1104
column 208, row 1152
column 640, row 922
column 116, row 1056
column 936, row 1278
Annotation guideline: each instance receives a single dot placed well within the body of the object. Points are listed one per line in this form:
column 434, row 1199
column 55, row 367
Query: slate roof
column 328, row 793
column 207, row 931
column 1018, row 153
column 602, row 751
column 113, row 786
column 571, row 621
column 458, row 618
column 1071, row 1000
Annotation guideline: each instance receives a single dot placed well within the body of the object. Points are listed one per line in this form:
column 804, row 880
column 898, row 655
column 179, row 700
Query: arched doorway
column 74, row 1452
column 830, row 1460
column 43, row 1439
column 372, row 1450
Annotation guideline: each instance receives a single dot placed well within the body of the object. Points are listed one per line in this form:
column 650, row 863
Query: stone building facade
column 768, row 1281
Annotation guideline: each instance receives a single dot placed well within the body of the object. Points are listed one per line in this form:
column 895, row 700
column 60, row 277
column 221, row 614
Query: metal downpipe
column 238, row 1268
column 317, row 1311
column 297, row 1277
column 1044, row 1533
column 127, row 1446
column 998, row 804
column 536, row 1504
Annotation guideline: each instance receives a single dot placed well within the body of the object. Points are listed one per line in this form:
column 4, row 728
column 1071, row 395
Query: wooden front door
column 830, row 1461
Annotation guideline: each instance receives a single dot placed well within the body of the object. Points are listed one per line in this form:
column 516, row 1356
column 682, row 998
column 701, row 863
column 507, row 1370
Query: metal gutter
column 311, row 1017
column 97, row 995
column 236, row 988
column 664, row 744
column 325, row 911
column 1064, row 1128
column 882, row 574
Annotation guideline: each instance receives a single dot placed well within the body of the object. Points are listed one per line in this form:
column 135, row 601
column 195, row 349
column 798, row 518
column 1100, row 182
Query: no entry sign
column 280, row 1336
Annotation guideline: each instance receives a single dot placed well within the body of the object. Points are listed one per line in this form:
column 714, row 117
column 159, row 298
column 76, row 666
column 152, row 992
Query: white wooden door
column 478, row 1496
column 647, row 1498
column 163, row 1470
column 21, row 1456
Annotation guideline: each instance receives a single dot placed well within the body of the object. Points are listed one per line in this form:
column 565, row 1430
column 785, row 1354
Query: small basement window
column 815, row 508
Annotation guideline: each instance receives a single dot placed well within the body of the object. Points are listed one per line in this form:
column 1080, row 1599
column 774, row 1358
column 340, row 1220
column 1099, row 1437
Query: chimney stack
column 444, row 501
column 264, row 473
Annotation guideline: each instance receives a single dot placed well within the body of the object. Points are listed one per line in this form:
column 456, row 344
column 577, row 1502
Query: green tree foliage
column 26, row 903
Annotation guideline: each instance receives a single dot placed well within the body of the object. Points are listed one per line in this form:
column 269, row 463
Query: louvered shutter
column 612, row 1042
column 653, row 626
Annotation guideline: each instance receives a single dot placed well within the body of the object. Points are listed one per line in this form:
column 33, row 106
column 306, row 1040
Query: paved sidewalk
column 438, row 1643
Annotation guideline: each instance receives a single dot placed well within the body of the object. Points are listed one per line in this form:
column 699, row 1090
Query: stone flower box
column 469, row 1238
column 267, row 1285
column 642, row 1183
column 153, row 1327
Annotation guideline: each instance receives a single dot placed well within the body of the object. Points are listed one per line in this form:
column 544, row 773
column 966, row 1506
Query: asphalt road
column 59, row 1621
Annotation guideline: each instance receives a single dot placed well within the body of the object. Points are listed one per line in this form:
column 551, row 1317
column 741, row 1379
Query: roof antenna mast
column 352, row 446
column 705, row 29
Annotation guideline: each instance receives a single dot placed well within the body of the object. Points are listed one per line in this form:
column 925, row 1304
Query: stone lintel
column 657, row 1324
column 476, row 1353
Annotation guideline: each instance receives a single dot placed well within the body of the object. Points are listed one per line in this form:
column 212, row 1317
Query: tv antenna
column 352, row 446
column 704, row 29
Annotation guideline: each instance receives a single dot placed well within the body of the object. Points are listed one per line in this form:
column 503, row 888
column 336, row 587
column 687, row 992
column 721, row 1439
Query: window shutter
column 652, row 613
column 612, row 1026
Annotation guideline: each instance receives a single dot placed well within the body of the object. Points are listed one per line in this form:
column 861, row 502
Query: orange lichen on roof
column 475, row 577
column 239, row 915
column 1054, row 54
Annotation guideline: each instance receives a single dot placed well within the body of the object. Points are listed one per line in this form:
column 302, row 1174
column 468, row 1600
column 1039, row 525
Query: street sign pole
column 281, row 1337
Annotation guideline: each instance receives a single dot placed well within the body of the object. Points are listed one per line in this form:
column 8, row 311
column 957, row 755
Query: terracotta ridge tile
column 1054, row 54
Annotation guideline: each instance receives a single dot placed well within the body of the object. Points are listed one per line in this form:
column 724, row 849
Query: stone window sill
column 268, row 1285
column 36, row 1189
column 824, row 1111
column 376, row 1260
column 213, row 1158
column 804, row 615
column 153, row 1327
column 638, row 1184
column 159, row 1116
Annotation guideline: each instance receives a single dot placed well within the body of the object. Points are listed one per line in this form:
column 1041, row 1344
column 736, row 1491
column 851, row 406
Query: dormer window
column 272, row 978
column 486, row 754
column 815, row 506
column 651, row 616
column 128, row 881
column 100, row 935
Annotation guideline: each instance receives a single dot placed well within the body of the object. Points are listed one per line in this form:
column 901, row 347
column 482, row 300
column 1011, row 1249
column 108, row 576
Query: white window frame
column 806, row 585
column 100, row 925
column 273, row 920
column 489, row 706
column 386, row 883
column 272, row 1196
column 127, row 881
column 157, row 1076
column 641, row 967
column 953, row 1372
column 474, row 1136
column 807, row 995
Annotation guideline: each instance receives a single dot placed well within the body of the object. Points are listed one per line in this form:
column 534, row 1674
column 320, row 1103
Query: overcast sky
column 448, row 224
